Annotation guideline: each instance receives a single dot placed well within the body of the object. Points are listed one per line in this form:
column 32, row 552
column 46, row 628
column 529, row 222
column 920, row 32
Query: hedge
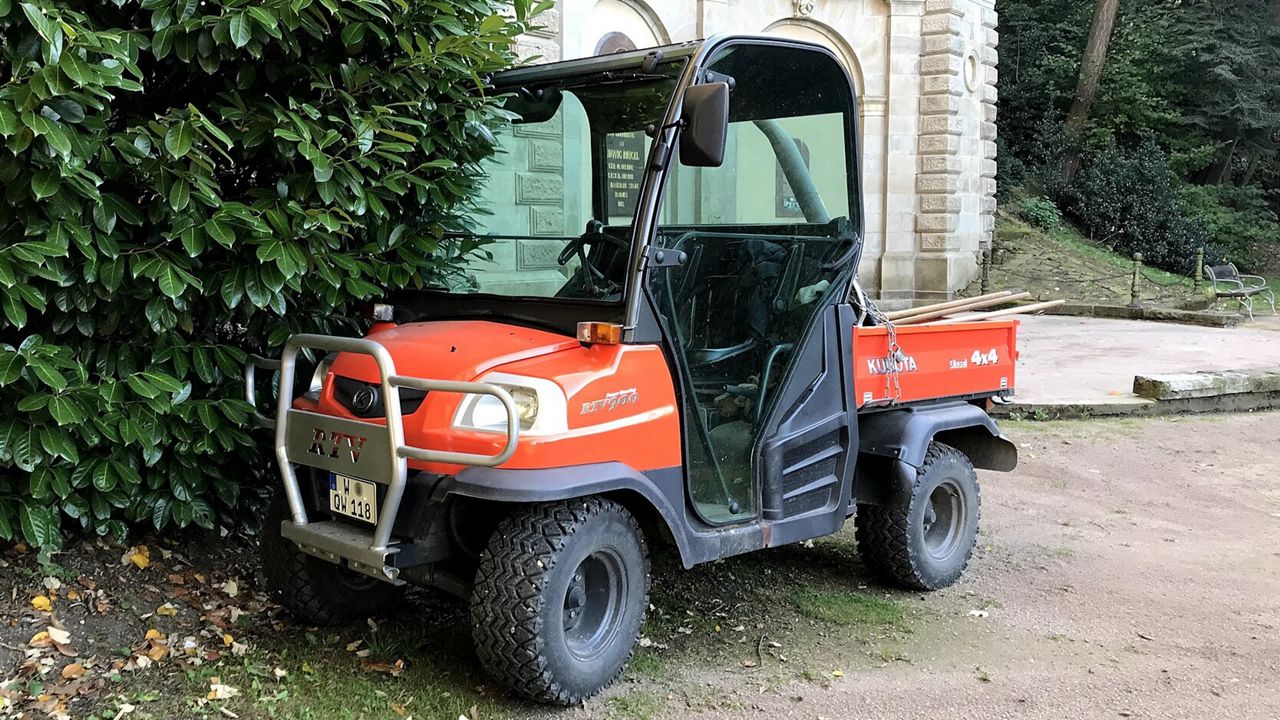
column 185, row 181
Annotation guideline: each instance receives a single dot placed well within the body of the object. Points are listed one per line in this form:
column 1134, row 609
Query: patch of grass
column 634, row 705
column 841, row 607
column 647, row 663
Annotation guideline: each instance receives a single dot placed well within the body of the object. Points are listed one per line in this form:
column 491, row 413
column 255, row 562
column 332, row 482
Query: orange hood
column 451, row 350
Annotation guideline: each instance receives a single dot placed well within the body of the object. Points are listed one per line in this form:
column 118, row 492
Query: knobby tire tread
column 883, row 533
column 506, row 607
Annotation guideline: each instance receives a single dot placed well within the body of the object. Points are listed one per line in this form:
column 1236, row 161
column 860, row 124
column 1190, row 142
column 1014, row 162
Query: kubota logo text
column 884, row 366
column 329, row 444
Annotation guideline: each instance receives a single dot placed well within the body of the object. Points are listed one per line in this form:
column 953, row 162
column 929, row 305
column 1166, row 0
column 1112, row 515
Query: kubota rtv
column 660, row 341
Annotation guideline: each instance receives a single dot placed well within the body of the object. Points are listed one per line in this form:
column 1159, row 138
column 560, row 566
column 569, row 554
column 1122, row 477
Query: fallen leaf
column 140, row 556
column 227, row 640
column 73, row 595
column 748, row 663
column 58, row 635
column 40, row 640
column 218, row 691
column 74, row 671
column 154, row 634
column 167, row 609
column 393, row 669
column 306, row 667
column 231, row 588
column 42, row 603
column 354, row 645
column 158, row 652
column 177, row 579
column 52, row 584
column 280, row 673
column 837, row 674
column 239, row 649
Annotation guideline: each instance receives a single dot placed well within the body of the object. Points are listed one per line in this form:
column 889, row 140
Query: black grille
column 345, row 390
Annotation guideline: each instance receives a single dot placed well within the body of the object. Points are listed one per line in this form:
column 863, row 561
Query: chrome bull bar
column 338, row 444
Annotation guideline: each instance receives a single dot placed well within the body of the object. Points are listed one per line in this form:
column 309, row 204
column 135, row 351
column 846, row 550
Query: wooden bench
column 1229, row 284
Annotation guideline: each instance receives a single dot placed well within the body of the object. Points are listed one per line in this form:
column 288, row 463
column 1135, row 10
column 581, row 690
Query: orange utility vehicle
column 698, row 368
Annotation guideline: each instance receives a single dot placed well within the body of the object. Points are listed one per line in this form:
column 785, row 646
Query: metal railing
column 399, row 453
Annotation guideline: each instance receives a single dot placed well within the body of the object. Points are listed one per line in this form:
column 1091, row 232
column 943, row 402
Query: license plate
column 354, row 498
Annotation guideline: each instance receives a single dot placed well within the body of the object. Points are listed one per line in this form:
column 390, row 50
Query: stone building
column 925, row 72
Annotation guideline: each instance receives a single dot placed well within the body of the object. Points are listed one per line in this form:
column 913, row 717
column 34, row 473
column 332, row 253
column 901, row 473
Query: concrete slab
column 1180, row 386
column 1090, row 361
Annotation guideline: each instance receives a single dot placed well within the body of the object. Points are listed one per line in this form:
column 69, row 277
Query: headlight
column 317, row 378
column 540, row 405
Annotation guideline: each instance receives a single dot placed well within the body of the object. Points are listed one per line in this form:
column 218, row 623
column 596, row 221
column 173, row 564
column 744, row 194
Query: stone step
column 1183, row 386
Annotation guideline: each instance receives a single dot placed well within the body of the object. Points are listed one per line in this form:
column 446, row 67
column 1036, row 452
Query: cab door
column 754, row 318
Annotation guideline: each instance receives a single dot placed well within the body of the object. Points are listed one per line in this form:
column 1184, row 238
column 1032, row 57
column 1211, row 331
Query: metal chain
column 895, row 359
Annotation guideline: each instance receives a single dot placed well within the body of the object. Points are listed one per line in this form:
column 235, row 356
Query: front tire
column 559, row 598
column 317, row 591
column 927, row 545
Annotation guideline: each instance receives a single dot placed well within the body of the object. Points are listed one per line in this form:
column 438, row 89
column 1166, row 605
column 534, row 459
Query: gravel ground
column 1127, row 569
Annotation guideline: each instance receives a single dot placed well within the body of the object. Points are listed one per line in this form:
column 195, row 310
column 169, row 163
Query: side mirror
column 706, row 125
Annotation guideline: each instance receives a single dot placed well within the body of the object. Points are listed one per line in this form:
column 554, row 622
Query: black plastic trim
column 904, row 434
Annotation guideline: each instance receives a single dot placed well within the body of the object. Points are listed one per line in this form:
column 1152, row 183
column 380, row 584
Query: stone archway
column 614, row 25
column 816, row 32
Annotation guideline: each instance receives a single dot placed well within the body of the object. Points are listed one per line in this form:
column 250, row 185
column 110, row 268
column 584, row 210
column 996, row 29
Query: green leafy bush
column 1040, row 212
column 1130, row 200
column 188, row 180
column 1240, row 221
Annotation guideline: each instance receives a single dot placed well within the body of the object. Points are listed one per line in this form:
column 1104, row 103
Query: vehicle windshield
column 555, row 214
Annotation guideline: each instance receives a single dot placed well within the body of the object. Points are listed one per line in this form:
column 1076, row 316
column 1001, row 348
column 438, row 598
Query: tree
column 186, row 181
column 1091, row 66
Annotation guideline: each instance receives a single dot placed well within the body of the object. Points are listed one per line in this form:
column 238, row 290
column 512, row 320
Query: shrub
column 1131, row 201
column 1041, row 213
column 1241, row 223
column 186, row 181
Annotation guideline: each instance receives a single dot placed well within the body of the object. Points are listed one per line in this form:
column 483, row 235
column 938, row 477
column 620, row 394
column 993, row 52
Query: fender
column 893, row 443
column 657, row 490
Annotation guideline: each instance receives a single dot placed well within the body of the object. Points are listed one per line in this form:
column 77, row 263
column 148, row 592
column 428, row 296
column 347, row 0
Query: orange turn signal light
column 598, row 333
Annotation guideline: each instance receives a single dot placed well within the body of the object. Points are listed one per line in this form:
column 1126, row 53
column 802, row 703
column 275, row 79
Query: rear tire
column 559, row 598
column 317, row 591
column 927, row 545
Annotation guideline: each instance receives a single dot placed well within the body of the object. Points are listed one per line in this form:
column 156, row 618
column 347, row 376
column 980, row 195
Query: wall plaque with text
column 625, row 154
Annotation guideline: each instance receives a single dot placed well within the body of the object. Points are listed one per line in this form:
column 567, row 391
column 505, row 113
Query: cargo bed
column 937, row 361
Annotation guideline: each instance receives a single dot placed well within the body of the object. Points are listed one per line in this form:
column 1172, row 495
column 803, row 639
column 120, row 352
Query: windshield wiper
column 615, row 78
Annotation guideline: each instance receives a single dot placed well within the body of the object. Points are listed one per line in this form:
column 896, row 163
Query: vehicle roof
column 595, row 63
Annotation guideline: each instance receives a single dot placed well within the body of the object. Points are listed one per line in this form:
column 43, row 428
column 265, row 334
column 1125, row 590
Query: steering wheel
column 593, row 236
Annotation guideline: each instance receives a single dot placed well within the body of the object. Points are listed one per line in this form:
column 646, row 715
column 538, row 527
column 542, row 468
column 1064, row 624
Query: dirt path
column 1128, row 569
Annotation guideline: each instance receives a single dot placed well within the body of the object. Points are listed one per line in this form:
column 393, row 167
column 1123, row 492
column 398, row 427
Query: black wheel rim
column 944, row 518
column 594, row 602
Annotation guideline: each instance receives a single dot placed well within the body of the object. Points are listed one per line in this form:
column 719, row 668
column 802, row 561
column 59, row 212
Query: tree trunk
column 1091, row 64
column 1222, row 175
column 1254, row 161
